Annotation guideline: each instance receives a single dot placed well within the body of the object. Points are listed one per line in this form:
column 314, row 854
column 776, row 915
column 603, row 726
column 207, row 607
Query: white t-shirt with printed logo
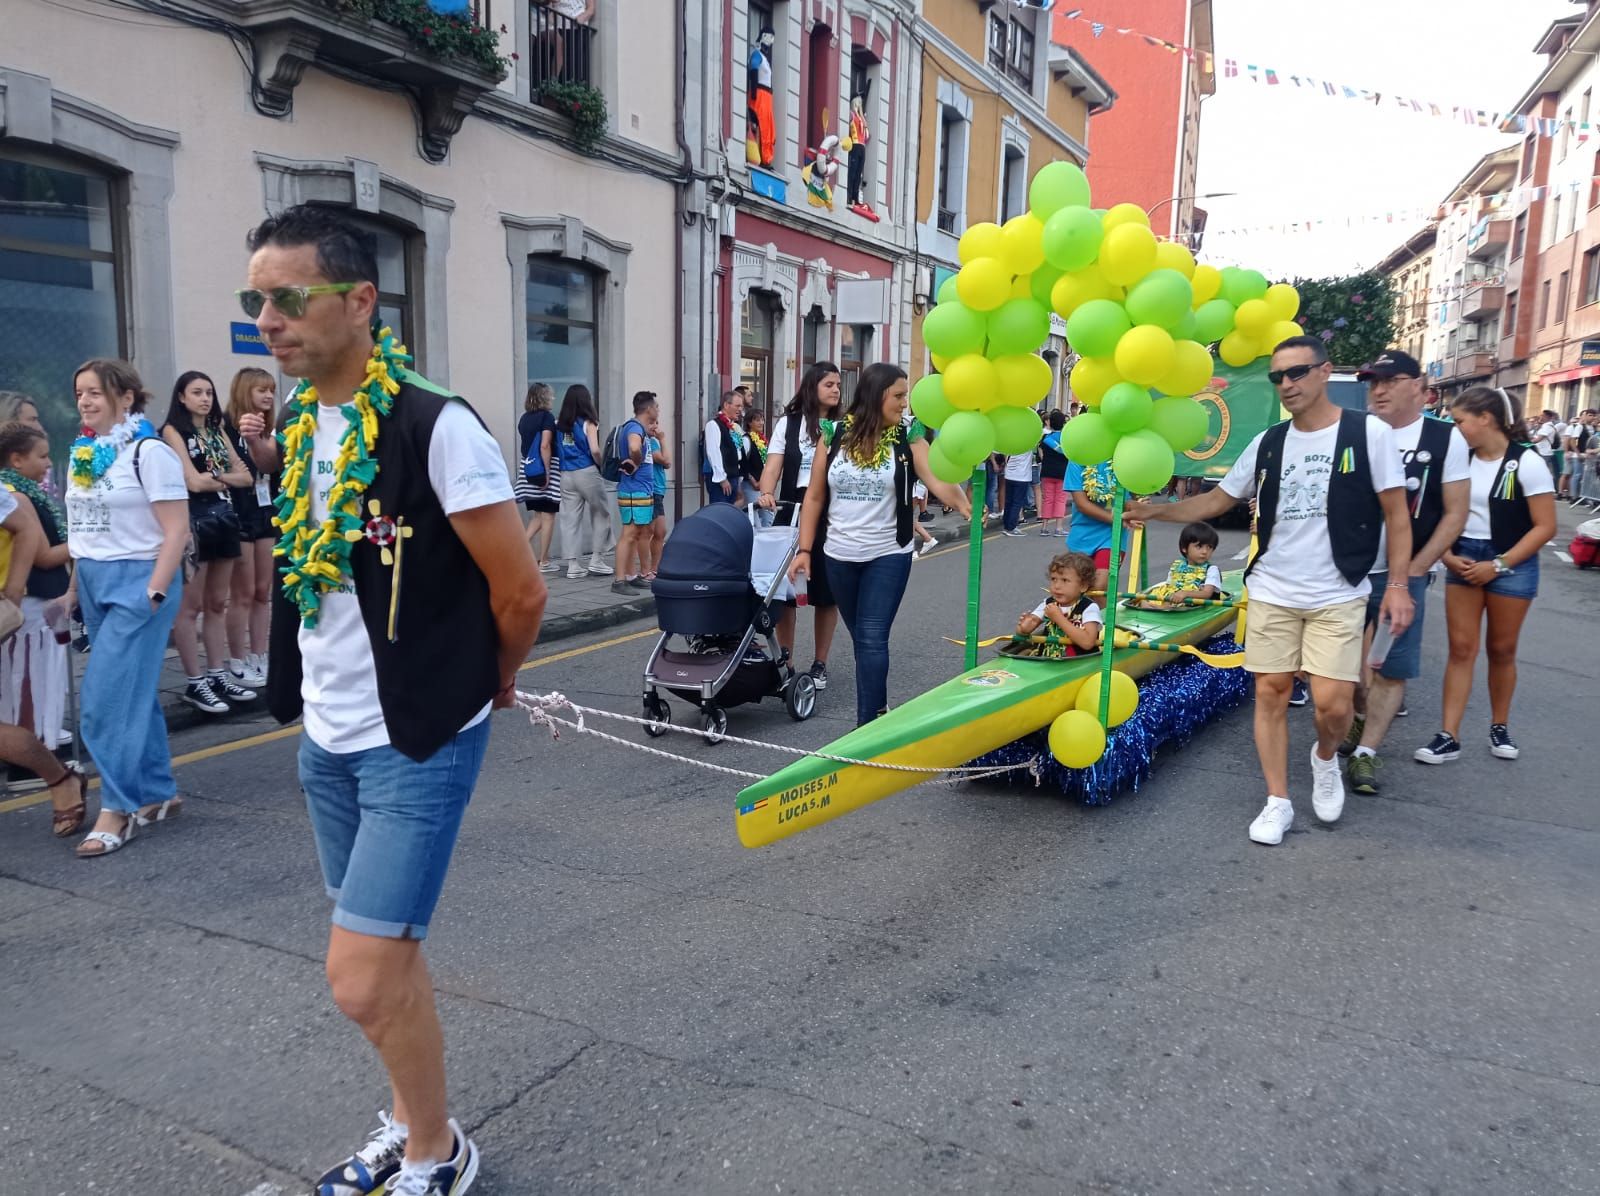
column 1533, row 477
column 112, row 519
column 1454, row 469
column 1298, row 570
column 340, row 681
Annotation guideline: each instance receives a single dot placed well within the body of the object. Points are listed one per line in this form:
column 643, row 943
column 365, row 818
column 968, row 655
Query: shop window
column 563, row 341
column 756, row 337
column 855, row 354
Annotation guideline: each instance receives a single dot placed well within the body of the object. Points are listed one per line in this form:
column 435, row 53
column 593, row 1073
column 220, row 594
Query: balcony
column 1467, row 365
column 560, row 49
column 1482, row 303
column 1488, row 238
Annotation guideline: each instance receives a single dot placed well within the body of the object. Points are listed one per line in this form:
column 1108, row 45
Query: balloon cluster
column 1077, row 739
column 1140, row 313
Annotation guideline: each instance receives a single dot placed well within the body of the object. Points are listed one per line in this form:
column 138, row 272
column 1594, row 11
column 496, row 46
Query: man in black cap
column 1437, row 464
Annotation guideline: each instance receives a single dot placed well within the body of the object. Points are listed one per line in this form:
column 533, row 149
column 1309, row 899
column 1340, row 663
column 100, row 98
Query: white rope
column 540, row 707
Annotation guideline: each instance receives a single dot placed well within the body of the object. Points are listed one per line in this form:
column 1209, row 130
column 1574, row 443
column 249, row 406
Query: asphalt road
column 954, row 990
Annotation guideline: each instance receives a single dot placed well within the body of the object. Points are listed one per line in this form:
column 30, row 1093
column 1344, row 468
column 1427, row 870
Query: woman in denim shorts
column 1494, row 567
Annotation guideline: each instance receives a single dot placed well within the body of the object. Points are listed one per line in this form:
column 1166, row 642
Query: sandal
column 108, row 841
column 69, row 821
column 159, row 811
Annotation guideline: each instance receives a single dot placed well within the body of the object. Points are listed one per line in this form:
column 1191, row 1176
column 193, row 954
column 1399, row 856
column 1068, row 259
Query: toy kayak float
column 983, row 709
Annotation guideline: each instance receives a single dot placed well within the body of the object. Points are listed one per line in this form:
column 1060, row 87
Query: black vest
column 442, row 665
column 1509, row 517
column 1425, row 480
column 1355, row 516
column 904, row 478
column 727, row 450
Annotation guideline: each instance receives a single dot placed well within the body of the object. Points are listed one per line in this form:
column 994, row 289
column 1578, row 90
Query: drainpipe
column 682, row 210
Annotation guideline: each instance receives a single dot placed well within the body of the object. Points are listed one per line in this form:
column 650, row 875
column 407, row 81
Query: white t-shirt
column 1545, row 436
column 8, row 503
column 1019, row 467
column 1298, row 570
column 1454, row 469
column 861, row 511
column 1091, row 613
column 340, row 683
column 779, row 445
column 1533, row 477
column 112, row 519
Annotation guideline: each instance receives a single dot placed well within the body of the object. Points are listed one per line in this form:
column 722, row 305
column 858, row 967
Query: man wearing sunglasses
column 405, row 610
column 1328, row 486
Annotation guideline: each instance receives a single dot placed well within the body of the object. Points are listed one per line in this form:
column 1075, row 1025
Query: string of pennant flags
column 1266, row 76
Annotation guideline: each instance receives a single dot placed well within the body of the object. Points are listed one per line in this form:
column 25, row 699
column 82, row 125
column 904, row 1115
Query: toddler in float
column 1068, row 619
column 1192, row 575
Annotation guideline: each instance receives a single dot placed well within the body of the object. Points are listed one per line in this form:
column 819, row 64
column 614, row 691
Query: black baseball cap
column 1391, row 363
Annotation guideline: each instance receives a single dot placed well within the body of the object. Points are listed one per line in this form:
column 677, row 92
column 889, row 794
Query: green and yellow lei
column 317, row 556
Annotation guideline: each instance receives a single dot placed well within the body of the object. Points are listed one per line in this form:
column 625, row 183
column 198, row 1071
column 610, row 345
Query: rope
column 541, row 706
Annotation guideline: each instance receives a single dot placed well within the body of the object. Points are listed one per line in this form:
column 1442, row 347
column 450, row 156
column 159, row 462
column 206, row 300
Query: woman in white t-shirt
column 127, row 526
column 1494, row 567
column 861, row 478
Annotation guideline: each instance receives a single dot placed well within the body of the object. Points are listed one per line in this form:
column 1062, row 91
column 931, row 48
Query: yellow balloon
column 1077, row 739
column 984, row 283
column 1091, row 378
column 1124, row 698
column 1207, row 283
column 1022, row 286
column 1236, row 349
column 1127, row 254
column 1190, row 372
column 939, row 363
column 1073, row 290
column 1280, row 332
column 1145, row 353
column 970, row 382
column 980, row 240
column 1172, row 256
column 1253, row 318
column 1022, row 243
column 1022, row 379
column 1284, row 301
column 1125, row 213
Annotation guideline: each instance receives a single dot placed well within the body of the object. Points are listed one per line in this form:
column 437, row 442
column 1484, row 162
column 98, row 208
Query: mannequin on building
column 819, row 172
column 761, row 137
column 856, row 147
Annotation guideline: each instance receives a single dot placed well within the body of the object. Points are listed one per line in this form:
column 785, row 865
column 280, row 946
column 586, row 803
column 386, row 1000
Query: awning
column 1554, row 377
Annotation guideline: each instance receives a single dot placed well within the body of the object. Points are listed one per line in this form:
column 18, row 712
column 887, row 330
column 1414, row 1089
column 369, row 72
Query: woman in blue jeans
column 864, row 482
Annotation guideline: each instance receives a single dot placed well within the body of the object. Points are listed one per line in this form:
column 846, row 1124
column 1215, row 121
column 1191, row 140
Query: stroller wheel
column 714, row 723
column 800, row 697
column 659, row 714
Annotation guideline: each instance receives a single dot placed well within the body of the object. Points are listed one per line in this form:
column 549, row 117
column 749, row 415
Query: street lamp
column 1151, row 211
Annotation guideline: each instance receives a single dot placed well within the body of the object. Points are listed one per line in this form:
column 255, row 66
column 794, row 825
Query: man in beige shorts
column 1308, row 581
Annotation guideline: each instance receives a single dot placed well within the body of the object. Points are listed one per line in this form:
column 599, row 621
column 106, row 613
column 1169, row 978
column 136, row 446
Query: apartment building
column 1409, row 269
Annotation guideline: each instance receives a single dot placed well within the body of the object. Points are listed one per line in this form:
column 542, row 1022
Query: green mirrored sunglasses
column 290, row 301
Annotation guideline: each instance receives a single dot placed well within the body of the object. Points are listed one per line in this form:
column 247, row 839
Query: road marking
column 239, row 745
column 1563, row 556
column 962, row 546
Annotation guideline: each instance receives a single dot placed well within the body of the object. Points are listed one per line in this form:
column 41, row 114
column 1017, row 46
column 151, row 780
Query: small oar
column 1231, row 661
column 1231, row 603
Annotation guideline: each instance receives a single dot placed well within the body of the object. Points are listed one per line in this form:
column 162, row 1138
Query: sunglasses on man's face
column 1294, row 373
column 290, row 301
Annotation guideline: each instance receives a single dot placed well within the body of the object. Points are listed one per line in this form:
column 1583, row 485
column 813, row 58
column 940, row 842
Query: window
column 1566, row 136
column 562, row 341
column 1013, row 184
column 395, row 286
column 998, row 40
column 1544, row 304
column 755, row 349
column 1589, row 280
column 59, row 282
column 560, row 49
column 855, row 352
column 952, row 178
column 1555, row 221
column 1010, row 48
column 822, row 87
column 1563, row 289
column 1519, row 236
column 1511, row 314
column 765, row 16
column 1530, row 147
column 814, row 345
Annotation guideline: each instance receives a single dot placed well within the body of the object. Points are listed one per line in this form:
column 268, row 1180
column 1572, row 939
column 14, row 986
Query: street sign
column 1589, row 354
column 247, row 340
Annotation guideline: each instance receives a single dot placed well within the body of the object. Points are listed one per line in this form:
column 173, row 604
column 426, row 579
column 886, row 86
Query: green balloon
column 1256, row 283
column 1213, row 321
column 1016, row 429
column 1017, row 326
column 1096, row 327
column 928, row 402
column 1238, row 285
column 1042, row 282
column 1161, row 297
column 1072, row 238
column 1182, row 423
column 1087, row 439
column 1184, row 329
column 1058, row 185
column 943, row 468
column 967, row 438
column 1126, row 407
column 953, row 330
column 947, row 291
column 1143, row 462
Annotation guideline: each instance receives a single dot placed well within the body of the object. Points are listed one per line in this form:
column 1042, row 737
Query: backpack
column 610, row 461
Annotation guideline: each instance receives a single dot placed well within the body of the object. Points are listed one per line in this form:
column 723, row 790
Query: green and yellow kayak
column 981, row 710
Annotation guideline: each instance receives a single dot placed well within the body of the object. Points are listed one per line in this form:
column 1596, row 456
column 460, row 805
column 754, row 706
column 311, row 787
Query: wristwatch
column 1500, row 567
column 156, row 596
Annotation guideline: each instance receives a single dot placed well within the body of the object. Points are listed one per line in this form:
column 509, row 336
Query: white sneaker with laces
column 1274, row 821
column 1327, row 792
column 428, row 1178
column 369, row 1170
column 244, row 673
column 598, row 567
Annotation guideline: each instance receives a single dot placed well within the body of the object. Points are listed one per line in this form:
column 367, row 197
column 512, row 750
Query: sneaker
column 1274, row 821
column 925, row 517
column 223, row 686
column 244, row 673
column 1044, row 531
column 1500, row 745
column 1363, row 772
column 550, row 567
column 1402, row 712
column 439, row 1179
column 258, row 661
column 928, row 546
column 199, row 695
column 1352, row 739
column 1441, row 750
column 639, row 583
column 1327, row 788
column 1301, row 693
column 622, row 587
column 371, row 1167
column 81, row 644
column 819, row 675
column 1014, row 532
column 599, row 568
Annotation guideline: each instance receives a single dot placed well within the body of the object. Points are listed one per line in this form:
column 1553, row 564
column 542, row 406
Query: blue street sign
column 246, row 339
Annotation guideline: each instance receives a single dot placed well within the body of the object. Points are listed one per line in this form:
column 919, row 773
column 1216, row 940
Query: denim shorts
column 1521, row 582
column 385, row 826
column 1404, row 662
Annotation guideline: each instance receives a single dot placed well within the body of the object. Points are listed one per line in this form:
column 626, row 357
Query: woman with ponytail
column 1493, row 569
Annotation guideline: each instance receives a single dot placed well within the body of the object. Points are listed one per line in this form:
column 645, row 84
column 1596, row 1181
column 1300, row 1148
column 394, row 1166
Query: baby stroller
column 715, row 588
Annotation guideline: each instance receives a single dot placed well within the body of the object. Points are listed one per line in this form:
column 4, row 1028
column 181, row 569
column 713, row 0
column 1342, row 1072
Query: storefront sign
column 1590, row 353
column 247, row 340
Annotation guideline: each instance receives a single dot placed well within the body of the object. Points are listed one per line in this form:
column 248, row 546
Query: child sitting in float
column 1068, row 620
column 1192, row 575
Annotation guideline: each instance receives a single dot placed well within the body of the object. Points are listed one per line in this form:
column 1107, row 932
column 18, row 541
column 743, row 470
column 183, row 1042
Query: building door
column 755, row 349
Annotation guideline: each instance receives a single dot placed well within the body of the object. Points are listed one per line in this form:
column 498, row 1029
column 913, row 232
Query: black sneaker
column 225, row 687
column 1441, row 750
column 200, row 695
column 370, row 1168
column 1301, row 693
column 442, row 1179
column 1500, row 745
column 819, row 675
column 1402, row 712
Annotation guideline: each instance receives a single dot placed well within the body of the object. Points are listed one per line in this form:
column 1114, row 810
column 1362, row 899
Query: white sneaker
column 928, row 546
column 1274, row 821
column 598, row 567
column 245, row 673
column 1327, row 788
column 258, row 661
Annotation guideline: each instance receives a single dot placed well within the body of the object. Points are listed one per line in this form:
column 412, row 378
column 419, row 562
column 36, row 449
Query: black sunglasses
column 1294, row 373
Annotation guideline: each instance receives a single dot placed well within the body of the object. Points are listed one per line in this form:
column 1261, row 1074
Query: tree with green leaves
column 1353, row 315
